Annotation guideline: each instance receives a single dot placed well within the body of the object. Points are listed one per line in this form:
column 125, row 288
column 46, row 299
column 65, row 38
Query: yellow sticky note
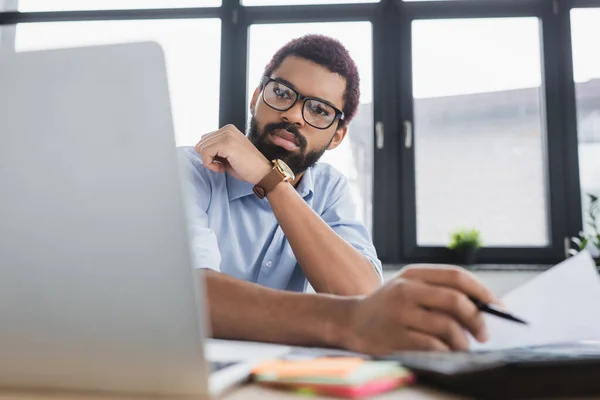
column 339, row 367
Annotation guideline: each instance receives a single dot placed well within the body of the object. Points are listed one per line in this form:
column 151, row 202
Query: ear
column 254, row 100
column 339, row 135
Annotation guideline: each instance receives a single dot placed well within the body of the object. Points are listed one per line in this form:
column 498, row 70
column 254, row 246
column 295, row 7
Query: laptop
column 98, row 287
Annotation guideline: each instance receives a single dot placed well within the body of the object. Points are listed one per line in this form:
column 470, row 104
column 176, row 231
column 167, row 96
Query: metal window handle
column 408, row 131
column 379, row 135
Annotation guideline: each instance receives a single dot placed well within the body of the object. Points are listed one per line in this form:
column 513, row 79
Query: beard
column 298, row 162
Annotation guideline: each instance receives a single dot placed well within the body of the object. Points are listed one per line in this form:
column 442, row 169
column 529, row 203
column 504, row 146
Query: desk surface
column 246, row 392
column 254, row 392
column 249, row 392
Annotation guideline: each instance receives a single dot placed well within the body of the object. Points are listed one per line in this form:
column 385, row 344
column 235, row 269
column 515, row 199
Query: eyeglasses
column 316, row 112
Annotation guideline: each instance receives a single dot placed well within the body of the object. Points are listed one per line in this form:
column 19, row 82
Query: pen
column 490, row 309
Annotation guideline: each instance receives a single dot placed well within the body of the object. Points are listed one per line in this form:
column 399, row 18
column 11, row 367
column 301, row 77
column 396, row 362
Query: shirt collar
column 238, row 189
column 307, row 183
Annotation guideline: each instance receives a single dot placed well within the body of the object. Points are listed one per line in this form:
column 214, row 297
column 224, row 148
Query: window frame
column 551, row 121
column 571, row 144
column 394, row 216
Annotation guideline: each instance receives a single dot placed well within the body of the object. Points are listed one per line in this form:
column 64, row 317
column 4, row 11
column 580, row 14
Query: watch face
column 286, row 170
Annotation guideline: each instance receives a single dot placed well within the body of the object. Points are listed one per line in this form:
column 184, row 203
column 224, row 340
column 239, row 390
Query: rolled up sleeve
column 197, row 193
column 340, row 215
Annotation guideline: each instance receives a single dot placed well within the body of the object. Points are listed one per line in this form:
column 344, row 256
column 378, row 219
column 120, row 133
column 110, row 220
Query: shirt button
column 269, row 264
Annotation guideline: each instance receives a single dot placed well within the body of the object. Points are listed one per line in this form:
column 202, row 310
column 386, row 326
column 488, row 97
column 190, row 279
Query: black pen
column 490, row 309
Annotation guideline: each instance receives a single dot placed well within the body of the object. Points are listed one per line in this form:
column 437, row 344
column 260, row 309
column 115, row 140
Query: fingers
column 387, row 341
column 392, row 319
column 227, row 129
column 204, row 139
column 210, row 140
column 216, row 166
column 453, row 303
column 203, row 144
column 453, row 277
column 209, row 154
column 214, row 146
column 421, row 341
column 424, row 308
column 439, row 326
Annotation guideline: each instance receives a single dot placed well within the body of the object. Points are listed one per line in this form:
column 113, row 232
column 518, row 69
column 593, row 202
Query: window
column 479, row 138
column 354, row 157
column 192, row 50
column 488, row 140
column 68, row 5
column 585, row 28
column 298, row 2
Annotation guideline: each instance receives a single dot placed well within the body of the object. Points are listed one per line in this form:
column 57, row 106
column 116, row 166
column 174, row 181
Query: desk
column 255, row 392
column 249, row 392
column 246, row 392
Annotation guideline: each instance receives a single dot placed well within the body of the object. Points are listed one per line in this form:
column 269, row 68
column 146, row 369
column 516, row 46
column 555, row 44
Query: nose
column 294, row 114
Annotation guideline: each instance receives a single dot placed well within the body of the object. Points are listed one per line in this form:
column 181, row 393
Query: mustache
column 291, row 128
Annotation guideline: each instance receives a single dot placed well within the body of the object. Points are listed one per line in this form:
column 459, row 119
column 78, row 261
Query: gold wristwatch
column 280, row 173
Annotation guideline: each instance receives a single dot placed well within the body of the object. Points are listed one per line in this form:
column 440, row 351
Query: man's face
column 286, row 135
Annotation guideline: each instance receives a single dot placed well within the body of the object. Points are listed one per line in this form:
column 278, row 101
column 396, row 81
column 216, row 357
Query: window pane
column 354, row 157
column 479, row 141
column 67, row 5
column 585, row 28
column 192, row 51
column 298, row 2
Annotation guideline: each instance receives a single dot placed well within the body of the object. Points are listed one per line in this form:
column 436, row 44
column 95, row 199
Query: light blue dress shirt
column 236, row 233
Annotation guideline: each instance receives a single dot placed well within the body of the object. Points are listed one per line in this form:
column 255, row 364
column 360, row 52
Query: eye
column 281, row 93
column 320, row 110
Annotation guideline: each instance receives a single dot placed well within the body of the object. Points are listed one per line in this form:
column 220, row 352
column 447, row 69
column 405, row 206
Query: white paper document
column 560, row 305
column 234, row 350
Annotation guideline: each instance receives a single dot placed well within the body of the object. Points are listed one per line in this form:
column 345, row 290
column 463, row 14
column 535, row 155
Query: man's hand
column 229, row 150
column 421, row 308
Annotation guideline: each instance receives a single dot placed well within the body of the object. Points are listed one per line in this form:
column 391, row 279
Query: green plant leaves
column 465, row 239
column 593, row 237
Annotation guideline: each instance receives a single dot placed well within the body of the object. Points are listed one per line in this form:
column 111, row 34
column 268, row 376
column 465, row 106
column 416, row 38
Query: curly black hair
column 332, row 55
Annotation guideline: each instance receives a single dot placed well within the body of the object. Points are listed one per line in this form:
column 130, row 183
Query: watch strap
column 268, row 183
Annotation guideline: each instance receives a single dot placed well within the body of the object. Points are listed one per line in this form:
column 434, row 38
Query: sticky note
column 338, row 367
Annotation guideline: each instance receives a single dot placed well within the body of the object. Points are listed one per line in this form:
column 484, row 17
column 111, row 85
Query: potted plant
column 591, row 239
column 465, row 243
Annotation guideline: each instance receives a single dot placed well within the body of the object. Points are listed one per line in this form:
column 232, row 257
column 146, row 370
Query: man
column 265, row 218
column 291, row 235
